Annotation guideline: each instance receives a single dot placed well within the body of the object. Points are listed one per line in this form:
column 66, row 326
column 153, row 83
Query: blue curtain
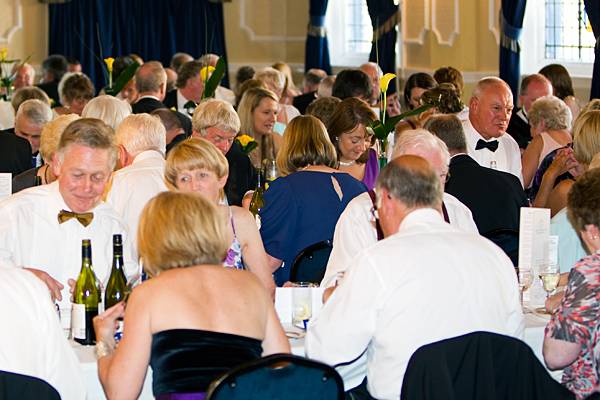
column 317, row 50
column 511, row 24
column 91, row 30
column 384, row 19
column 592, row 8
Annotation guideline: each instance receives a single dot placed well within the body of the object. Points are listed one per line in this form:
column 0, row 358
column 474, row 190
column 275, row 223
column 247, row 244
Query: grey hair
column 217, row 113
column 61, row 85
column 449, row 129
column 552, row 111
column 413, row 187
column 89, row 132
column 423, row 139
column 271, row 77
column 107, row 108
column 141, row 132
column 35, row 111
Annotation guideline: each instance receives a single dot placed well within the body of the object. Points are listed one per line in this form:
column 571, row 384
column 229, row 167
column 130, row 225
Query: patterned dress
column 577, row 321
column 233, row 259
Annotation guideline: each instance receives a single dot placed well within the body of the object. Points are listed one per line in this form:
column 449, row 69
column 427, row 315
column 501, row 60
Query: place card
column 5, row 184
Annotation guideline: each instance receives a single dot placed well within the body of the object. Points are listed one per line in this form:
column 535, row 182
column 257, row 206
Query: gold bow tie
column 84, row 218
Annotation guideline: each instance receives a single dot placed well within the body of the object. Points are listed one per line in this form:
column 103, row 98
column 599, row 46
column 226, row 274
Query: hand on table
column 53, row 285
column 106, row 324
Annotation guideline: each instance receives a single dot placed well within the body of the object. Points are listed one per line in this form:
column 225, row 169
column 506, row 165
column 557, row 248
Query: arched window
column 349, row 32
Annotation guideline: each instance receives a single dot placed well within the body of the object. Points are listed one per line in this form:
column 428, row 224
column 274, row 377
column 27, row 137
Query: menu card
column 534, row 238
column 5, row 184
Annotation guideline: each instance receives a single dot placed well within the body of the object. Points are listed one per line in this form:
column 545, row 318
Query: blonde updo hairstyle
column 179, row 230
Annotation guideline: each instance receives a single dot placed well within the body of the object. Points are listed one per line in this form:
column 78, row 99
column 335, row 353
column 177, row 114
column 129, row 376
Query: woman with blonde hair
column 194, row 316
column 290, row 90
column 303, row 206
column 196, row 165
column 276, row 82
column 258, row 112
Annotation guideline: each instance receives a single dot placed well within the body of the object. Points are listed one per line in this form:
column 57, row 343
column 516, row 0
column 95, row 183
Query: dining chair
column 310, row 264
column 279, row 376
column 24, row 387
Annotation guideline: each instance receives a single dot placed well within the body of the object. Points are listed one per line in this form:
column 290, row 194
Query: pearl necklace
column 347, row 164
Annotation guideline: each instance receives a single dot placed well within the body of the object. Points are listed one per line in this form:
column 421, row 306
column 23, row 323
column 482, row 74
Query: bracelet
column 103, row 349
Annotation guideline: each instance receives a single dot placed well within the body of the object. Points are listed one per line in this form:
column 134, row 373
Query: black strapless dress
column 187, row 360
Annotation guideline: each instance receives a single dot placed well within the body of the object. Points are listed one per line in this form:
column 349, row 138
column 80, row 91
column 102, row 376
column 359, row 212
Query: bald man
column 374, row 73
column 151, row 84
column 424, row 267
column 490, row 108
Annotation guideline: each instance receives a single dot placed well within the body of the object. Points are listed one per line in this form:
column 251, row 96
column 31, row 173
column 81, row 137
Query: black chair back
column 23, row 387
column 279, row 376
column 310, row 264
column 507, row 240
column 479, row 365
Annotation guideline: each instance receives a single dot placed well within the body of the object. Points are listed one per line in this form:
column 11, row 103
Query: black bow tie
column 492, row 145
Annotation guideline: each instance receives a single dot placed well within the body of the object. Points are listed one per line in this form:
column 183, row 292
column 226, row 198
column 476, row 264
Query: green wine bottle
column 258, row 202
column 117, row 283
column 86, row 297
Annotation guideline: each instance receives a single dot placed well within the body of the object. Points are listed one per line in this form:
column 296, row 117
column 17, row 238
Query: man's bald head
column 490, row 107
column 151, row 79
column 374, row 73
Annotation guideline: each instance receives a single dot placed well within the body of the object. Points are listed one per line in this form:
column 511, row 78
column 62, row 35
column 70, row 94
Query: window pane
column 568, row 35
column 358, row 27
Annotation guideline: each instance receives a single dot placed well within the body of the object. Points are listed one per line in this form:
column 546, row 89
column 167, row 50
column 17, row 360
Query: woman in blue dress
column 303, row 205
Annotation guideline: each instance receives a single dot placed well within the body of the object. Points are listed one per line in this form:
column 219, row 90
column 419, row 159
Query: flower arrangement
column 247, row 143
column 116, row 85
column 7, row 76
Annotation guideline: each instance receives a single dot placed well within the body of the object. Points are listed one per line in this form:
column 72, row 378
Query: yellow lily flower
column 109, row 63
column 244, row 140
column 385, row 81
column 3, row 54
column 205, row 73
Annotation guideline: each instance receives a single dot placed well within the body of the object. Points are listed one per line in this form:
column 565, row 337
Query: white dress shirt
column 30, row 236
column 428, row 282
column 355, row 231
column 33, row 343
column 506, row 158
column 133, row 186
column 181, row 102
column 222, row 93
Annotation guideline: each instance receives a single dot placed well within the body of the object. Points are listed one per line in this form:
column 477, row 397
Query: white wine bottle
column 86, row 298
column 116, row 287
column 258, row 202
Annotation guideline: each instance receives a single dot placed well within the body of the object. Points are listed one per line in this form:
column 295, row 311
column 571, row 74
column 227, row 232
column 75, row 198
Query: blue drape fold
column 385, row 16
column 316, row 53
column 511, row 25
column 91, row 30
column 592, row 8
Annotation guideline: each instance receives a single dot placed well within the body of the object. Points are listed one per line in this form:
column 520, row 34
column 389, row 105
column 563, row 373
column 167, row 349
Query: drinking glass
column 525, row 281
column 550, row 277
column 301, row 303
column 270, row 168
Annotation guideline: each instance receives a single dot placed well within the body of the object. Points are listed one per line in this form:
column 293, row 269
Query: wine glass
column 525, row 281
column 550, row 277
column 270, row 168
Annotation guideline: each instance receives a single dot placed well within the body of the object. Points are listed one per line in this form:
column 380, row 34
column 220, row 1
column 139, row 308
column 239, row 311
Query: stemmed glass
column 525, row 281
column 550, row 276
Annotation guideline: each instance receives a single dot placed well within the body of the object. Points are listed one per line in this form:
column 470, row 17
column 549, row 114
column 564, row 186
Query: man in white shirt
column 41, row 228
column 490, row 109
column 356, row 227
column 189, row 88
column 426, row 281
column 32, row 342
column 141, row 139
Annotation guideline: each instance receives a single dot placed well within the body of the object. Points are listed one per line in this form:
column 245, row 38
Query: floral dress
column 233, row 259
column 577, row 321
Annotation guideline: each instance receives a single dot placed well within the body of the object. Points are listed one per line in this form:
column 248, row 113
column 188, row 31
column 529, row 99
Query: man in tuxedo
column 490, row 109
column 221, row 93
column 532, row 88
column 15, row 154
column 33, row 114
column 216, row 121
column 151, row 83
column 189, row 88
column 312, row 79
column 494, row 197
column 53, row 69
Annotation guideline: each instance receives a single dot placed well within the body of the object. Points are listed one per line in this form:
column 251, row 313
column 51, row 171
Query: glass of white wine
column 525, row 281
column 301, row 303
column 550, row 277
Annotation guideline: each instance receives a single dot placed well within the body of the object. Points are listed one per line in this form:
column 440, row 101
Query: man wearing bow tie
column 490, row 109
column 41, row 228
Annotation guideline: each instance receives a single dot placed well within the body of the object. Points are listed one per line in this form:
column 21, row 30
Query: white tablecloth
column 534, row 337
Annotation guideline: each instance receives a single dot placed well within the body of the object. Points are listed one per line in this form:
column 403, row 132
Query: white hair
column 272, row 78
column 35, row 111
column 108, row 109
column 423, row 139
column 142, row 132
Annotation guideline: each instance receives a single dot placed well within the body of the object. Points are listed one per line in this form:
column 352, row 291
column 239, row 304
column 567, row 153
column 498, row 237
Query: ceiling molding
column 6, row 35
column 263, row 38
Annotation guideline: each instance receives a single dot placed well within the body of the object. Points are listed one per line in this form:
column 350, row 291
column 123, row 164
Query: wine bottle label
column 78, row 321
column 258, row 222
column 100, row 307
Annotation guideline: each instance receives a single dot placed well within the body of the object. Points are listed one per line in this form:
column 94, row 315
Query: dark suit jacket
column 302, row 101
column 146, row 105
column 494, row 197
column 171, row 99
column 519, row 130
column 51, row 89
column 242, row 175
column 15, row 154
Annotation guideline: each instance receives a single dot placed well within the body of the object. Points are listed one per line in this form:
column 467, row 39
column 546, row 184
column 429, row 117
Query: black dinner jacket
column 242, row 175
column 301, row 102
column 519, row 130
column 494, row 197
column 15, row 154
column 171, row 99
column 51, row 89
column 146, row 105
